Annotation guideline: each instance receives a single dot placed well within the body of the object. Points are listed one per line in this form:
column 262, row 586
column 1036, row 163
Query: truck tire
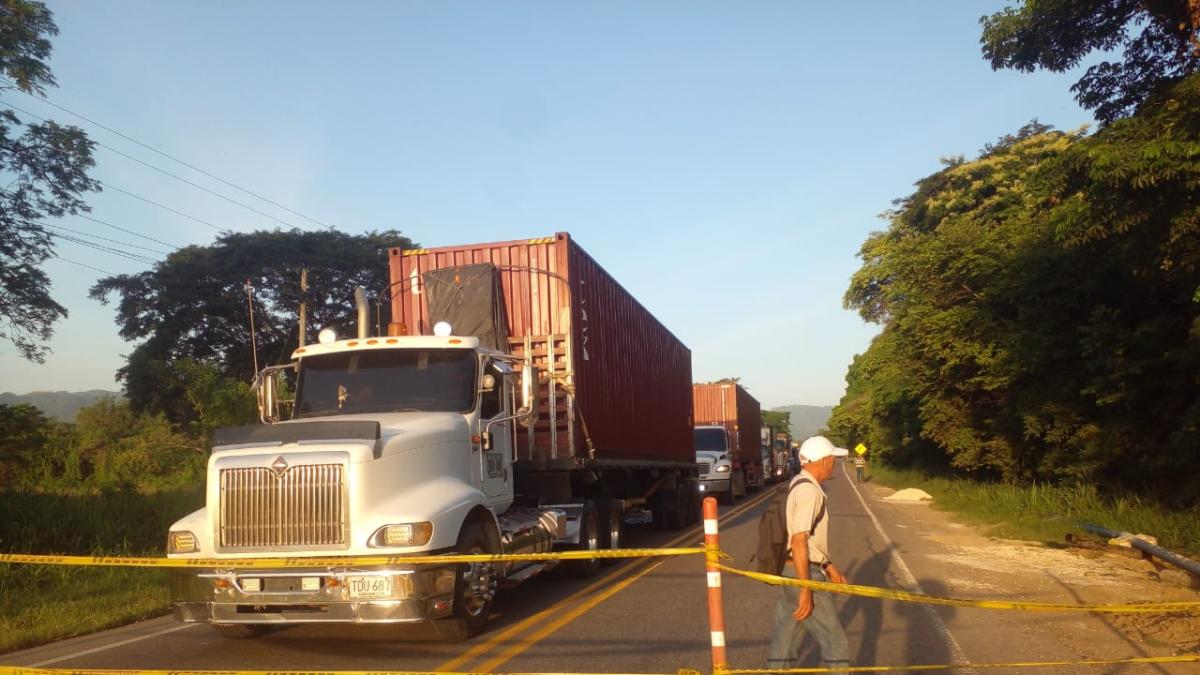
column 474, row 587
column 611, row 537
column 658, row 509
column 589, row 540
column 676, row 509
column 726, row 497
column 695, row 505
column 241, row 631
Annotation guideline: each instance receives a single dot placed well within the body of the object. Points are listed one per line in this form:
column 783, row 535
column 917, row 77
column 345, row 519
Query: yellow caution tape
column 18, row 670
column 906, row 596
column 335, row 561
column 953, row 666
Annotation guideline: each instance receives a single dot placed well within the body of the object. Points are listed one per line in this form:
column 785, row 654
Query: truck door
column 496, row 455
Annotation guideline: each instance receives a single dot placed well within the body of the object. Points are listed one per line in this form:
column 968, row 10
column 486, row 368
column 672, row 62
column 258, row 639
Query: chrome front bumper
column 219, row 596
column 714, row 485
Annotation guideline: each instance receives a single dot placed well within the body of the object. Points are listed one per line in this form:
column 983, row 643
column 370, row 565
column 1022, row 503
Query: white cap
column 817, row 448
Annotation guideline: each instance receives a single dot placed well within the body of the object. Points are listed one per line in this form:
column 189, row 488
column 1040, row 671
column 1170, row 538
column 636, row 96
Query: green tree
column 193, row 306
column 780, row 421
column 1041, row 309
column 951, row 279
column 44, row 169
column 1126, row 201
column 217, row 401
column 24, row 433
column 1159, row 41
column 120, row 449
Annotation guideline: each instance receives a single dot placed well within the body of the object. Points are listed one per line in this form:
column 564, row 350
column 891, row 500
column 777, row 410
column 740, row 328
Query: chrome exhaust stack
column 360, row 302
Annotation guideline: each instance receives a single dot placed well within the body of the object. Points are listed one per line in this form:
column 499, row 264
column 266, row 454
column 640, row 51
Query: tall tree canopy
column 43, row 170
column 1041, row 309
column 192, row 307
column 1159, row 42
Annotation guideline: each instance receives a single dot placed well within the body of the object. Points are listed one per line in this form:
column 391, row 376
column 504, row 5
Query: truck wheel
column 658, row 509
column 474, row 587
column 611, row 537
column 676, row 507
column 241, row 631
column 695, row 504
column 589, row 540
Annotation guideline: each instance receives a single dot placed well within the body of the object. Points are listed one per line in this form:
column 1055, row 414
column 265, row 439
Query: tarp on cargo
column 470, row 299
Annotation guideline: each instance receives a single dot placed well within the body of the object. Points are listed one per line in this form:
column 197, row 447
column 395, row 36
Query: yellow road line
column 542, row 633
column 632, row 574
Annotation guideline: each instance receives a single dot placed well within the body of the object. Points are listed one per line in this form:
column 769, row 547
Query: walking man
column 801, row 609
column 860, row 465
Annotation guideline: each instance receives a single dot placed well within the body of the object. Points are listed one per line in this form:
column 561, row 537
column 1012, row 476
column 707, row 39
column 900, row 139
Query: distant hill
column 806, row 419
column 59, row 405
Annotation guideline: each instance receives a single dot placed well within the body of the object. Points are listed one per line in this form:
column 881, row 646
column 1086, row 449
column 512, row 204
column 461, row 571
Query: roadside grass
column 1047, row 513
column 43, row 603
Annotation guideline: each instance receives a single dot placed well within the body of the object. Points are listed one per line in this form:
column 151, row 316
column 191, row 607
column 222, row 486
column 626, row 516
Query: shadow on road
column 926, row 642
column 1115, row 630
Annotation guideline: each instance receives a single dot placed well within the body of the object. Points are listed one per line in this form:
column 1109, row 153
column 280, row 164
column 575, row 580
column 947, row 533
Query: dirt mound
column 909, row 495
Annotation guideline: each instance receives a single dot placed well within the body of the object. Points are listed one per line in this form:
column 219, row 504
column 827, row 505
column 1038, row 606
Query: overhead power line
column 96, row 236
column 76, row 262
column 136, row 257
column 165, row 172
column 126, row 231
column 173, row 158
column 164, row 207
column 130, row 194
column 198, row 186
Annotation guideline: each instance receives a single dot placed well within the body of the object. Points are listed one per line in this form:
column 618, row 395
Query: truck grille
column 705, row 468
column 303, row 506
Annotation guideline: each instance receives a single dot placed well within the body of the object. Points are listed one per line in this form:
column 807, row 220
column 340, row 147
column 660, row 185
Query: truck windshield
column 387, row 380
column 710, row 440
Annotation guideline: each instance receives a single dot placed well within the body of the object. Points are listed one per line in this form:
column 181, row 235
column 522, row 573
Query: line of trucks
column 518, row 400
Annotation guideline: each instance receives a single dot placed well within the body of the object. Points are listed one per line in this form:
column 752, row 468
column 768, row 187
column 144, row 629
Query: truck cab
column 716, row 463
column 394, row 446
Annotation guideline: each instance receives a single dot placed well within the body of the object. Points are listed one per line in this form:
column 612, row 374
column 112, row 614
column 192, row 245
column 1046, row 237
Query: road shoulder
column 954, row 559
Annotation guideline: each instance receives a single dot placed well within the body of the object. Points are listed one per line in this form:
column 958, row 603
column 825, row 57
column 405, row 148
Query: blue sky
column 724, row 161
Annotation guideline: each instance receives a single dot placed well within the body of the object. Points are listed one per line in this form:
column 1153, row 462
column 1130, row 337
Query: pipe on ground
column 1146, row 547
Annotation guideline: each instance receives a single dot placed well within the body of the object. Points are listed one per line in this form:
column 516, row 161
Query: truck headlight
column 724, row 468
column 181, row 542
column 405, row 534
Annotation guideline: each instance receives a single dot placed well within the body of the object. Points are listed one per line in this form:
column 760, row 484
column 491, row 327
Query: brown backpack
column 773, row 538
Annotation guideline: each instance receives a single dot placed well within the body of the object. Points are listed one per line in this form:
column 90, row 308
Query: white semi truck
column 519, row 401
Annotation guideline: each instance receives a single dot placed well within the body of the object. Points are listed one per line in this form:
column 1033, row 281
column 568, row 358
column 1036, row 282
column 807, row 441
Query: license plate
column 370, row 587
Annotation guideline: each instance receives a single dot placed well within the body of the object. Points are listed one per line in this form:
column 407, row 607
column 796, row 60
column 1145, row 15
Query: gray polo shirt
column 803, row 506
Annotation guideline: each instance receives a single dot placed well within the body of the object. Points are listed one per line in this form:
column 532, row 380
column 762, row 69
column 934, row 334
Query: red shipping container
column 631, row 376
column 729, row 405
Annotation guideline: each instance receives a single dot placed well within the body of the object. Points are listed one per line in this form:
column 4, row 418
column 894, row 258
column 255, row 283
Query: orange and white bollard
column 716, row 610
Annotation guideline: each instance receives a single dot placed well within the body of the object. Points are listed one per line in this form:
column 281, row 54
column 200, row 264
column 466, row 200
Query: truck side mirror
column 268, row 397
column 527, row 414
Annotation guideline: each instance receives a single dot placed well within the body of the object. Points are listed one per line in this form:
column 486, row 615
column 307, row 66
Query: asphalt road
column 641, row 617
